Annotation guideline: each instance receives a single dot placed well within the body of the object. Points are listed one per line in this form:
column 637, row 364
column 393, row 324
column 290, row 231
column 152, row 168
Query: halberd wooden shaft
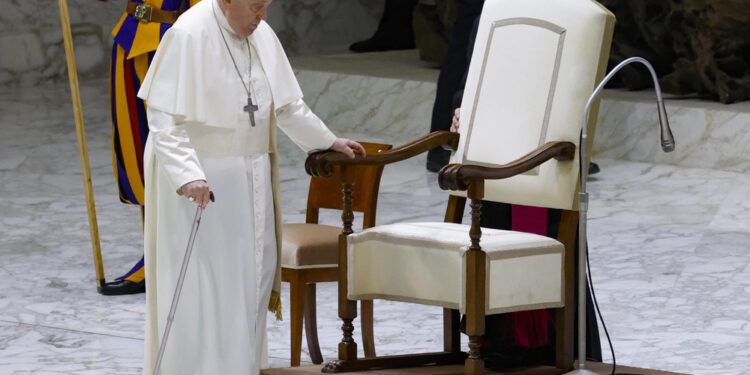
column 82, row 148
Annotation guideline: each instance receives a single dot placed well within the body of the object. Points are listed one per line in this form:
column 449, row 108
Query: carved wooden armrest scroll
column 460, row 176
column 320, row 164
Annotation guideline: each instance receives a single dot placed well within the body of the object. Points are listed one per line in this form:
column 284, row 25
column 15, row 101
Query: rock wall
column 31, row 39
column 698, row 47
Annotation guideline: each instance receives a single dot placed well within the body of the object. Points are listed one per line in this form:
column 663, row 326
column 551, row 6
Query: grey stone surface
column 33, row 53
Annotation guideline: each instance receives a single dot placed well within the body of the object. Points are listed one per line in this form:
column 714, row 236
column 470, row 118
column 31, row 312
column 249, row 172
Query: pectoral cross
column 250, row 108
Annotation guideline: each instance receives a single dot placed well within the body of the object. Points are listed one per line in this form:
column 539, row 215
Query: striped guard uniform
column 134, row 47
column 135, row 44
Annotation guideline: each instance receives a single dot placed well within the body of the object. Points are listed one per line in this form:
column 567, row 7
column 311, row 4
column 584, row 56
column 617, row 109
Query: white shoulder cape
column 189, row 73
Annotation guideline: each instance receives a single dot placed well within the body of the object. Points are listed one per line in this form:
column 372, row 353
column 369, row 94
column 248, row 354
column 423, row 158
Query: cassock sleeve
column 303, row 127
column 174, row 152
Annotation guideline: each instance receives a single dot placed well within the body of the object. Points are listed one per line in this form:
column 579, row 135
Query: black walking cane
column 180, row 281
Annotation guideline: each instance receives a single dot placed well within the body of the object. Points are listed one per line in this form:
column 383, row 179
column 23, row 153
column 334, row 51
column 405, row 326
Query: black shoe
column 593, row 168
column 395, row 29
column 122, row 287
column 123, row 284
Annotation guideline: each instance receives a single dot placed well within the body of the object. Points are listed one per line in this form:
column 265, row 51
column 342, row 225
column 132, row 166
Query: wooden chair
column 310, row 253
column 535, row 64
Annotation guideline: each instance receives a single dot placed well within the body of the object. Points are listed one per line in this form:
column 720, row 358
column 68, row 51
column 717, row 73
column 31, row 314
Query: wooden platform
column 600, row 368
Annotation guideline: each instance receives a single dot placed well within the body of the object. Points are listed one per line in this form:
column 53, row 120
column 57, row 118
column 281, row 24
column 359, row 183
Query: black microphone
column 667, row 139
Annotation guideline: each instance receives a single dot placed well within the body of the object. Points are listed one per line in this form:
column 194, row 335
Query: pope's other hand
column 197, row 190
column 348, row 147
column 456, row 122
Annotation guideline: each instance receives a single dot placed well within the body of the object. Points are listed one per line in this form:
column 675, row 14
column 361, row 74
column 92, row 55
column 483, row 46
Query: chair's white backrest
column 535, row 64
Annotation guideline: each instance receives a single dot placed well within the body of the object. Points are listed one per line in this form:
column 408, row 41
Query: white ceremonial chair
column 535, row 64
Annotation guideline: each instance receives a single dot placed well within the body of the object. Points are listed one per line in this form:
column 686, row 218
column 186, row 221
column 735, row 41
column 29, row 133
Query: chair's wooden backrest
column 535, row 64
column 327, row 192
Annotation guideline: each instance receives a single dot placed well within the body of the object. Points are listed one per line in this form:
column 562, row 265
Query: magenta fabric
column 530, row 328
column 529, row 219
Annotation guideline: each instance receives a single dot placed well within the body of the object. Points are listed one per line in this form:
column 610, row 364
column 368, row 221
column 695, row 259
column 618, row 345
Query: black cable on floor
column 599, row 313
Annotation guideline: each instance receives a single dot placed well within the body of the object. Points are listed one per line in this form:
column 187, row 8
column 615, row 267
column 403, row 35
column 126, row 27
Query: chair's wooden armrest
column 320, row 164
column 460, row 176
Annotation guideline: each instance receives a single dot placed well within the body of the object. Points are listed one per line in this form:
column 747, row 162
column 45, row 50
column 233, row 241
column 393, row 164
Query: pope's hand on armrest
column 348, row 147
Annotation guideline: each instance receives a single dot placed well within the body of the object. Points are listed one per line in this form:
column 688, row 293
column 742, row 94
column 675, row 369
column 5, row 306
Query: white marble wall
column 31, row 39
column 707, row 135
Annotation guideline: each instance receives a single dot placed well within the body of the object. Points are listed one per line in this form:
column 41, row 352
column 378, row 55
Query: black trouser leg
column 451, row 76
column 395, row 30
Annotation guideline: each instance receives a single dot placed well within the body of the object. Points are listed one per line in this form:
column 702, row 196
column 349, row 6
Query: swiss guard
column 137, row 35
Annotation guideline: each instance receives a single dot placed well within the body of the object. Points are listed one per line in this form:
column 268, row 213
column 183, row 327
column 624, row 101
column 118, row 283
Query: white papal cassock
column 198, row 130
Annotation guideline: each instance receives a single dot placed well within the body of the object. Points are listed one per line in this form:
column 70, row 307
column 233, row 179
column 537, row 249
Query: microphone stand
column 667, row 144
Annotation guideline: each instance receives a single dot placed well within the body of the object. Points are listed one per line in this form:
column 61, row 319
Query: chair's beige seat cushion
column 424, row 263
column 309, row 246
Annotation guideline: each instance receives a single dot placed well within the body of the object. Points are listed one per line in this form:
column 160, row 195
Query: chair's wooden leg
column 475, row 259
column 297, row 306
column 451, row 336
column 366, row 320
column 565, row 317
column 347, row 309
column 564, row 341
column 311, row 325
column 475, row 284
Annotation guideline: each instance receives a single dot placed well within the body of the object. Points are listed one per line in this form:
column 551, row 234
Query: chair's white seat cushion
column 424, row 263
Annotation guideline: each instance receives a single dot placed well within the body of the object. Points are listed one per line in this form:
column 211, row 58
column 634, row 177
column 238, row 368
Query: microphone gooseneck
column 667, row 139
column 667, row 144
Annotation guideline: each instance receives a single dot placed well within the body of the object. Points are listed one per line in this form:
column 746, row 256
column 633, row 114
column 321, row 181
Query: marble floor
column 670, row 252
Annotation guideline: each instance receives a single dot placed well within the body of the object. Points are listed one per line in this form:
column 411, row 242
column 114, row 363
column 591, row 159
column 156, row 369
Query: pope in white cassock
column 217, row 88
